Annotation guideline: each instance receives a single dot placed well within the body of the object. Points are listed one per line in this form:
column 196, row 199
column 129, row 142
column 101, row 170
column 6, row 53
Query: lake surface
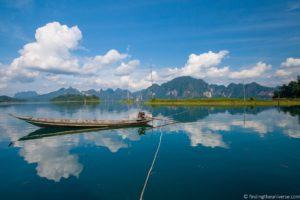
column 213, row 153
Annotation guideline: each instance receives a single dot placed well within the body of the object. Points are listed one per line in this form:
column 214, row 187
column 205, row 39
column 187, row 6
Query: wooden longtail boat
column 78, row 123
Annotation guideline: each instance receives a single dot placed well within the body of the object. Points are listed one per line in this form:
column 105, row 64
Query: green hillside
column 75, row 98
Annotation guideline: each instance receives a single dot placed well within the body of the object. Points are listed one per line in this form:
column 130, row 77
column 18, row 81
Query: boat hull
column 65, row 123
column 53, row 125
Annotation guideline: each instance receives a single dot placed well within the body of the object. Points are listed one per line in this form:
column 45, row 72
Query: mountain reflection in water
column 50, row 150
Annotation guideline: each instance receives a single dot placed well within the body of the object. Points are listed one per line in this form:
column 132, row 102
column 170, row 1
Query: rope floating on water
column 151, row 167
column 158, row 147
column 167, row 124
column 178, row 113
column 168, row 120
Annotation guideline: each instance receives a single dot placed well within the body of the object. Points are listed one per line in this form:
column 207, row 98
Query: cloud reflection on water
column 52, row 156
column 208, row 131
column 54, row 160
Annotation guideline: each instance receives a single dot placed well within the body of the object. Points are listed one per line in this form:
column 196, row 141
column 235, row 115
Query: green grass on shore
column 223, row 102
column 81, row 102
column 127, row 101
column 75, row 98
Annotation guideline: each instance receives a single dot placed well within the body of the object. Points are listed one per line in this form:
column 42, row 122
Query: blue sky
column 163, row 34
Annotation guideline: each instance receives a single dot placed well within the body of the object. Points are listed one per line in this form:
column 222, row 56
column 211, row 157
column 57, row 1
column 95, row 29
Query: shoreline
column 222, row 102
column 46, row 102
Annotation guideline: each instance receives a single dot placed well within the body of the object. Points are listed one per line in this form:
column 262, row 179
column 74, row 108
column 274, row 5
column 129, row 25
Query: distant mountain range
column 108, row 94
column 188, row 87
column 9, row 99
column 181, row 87
column 34, row 96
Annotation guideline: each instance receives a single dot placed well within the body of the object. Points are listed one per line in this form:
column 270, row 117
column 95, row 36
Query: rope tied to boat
column 158, row 147
column 151, row 167
column 168, row 121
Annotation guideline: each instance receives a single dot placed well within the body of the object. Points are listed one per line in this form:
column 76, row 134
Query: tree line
column 291, row 90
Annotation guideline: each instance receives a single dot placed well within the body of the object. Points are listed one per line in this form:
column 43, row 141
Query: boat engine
column 141, row 116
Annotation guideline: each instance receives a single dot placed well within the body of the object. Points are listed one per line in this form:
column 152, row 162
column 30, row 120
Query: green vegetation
column 127, row 101
column 224, row 102
column 75, row 98
column 189, row 87
column 292, row 90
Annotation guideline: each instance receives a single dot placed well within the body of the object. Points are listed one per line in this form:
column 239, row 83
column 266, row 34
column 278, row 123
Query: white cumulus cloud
column 203, row 64
column 258, row 70
column 51, row 58
column 291, row 62
column 283, row 73
column 98, row 62
column 200, row 65
column 127, row 68
column 205, row 60
column 51, row 50
column 289, row 68
column 52, row 53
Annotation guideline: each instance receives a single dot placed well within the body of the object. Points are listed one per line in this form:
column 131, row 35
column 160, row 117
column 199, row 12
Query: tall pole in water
column 151, row 79
column 244, row 101
column 244, row 90
column 151, row 92
column 128, row 102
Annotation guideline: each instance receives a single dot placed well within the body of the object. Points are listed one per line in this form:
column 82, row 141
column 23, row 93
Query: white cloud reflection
column 54, row 160
column 290, row 126
column 52, row 157
column 208, row 132
column 199, row 134
column 112, row 140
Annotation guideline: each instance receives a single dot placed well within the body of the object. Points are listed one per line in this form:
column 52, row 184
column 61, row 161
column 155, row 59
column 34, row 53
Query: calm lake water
column 214, row 153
